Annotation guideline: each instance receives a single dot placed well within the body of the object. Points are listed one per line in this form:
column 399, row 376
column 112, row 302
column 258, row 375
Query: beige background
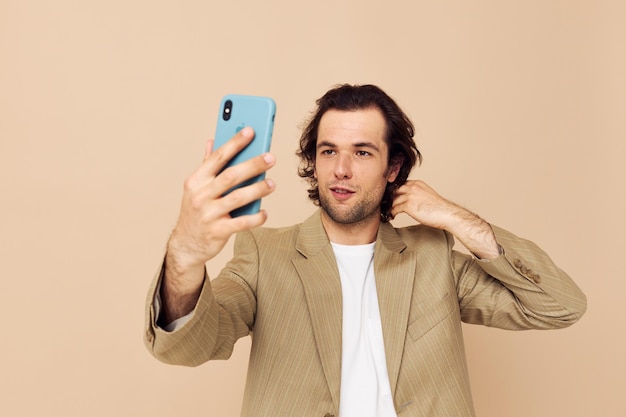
column 105, row 107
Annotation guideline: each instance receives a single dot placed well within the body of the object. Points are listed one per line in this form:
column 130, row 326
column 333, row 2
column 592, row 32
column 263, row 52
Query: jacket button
column 329, row 415
column 517, row 263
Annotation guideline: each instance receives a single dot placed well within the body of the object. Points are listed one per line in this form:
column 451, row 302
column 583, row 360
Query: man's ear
column 394, row 169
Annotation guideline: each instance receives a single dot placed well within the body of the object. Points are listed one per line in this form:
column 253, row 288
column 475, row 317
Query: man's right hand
column 204, row 224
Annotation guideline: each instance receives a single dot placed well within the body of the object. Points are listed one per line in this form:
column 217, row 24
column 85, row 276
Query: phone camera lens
column 228, row 108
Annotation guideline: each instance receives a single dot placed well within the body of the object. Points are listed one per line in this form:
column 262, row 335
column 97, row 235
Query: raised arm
column 204, row 224
column 424, row 205
column 513, row 285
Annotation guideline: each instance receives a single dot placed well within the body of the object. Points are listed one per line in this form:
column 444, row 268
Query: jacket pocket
column 430, row 316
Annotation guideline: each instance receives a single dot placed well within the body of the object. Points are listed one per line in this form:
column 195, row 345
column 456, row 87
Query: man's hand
column 424, row 205
column 204, row 224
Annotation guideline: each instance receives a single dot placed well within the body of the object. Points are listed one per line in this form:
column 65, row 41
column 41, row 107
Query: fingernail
column 247, row 131
column 268, row 158
column 270, row 184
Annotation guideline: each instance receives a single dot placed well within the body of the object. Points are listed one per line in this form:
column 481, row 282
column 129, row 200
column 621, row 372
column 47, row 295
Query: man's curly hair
column 399, row 136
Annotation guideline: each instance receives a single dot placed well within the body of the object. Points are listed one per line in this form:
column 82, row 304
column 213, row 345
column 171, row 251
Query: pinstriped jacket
column 282, row 287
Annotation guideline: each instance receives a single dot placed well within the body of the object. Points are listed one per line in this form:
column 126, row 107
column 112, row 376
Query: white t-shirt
column 365, row 389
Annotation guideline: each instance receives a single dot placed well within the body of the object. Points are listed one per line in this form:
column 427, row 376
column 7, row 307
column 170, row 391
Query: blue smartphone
column 236, row 112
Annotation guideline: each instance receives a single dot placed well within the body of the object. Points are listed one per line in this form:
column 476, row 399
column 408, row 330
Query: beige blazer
column 283, row 288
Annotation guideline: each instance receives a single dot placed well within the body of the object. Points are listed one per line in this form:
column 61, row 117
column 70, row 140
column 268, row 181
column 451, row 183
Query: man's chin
column 346, row 215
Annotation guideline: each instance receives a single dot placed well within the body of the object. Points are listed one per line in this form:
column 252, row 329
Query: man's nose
column 343, row 167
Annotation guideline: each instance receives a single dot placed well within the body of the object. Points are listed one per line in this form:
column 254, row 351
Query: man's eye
column 363, row 153
column 327, row 152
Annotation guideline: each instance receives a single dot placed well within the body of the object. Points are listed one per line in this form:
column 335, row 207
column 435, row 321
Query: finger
column 397, row 207
column 210, row 193
column 208, row 149
column 248, row 221
column 236, row 174
column 402, row 190
column 215, row 159
column 242, row 196
column 399, row 197
column 402, row 203
column 219, row 157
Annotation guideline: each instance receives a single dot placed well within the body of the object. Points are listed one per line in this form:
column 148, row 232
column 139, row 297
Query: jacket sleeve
column 224, row 313
column 521, row 289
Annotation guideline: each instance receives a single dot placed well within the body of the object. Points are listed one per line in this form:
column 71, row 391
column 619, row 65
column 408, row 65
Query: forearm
column 182, row 282
column 473, row 232
column 178, row 299
column 223, row 312
column 423, row 204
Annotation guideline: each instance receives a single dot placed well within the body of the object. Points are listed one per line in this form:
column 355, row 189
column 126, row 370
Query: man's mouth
column 341, row 189
column 341, row 193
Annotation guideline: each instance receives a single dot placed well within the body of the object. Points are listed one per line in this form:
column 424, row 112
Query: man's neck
column 360, row 233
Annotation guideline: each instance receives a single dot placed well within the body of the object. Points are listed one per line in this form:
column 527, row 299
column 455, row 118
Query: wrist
column 180, row 289
column 181, row 257
column 182, row 276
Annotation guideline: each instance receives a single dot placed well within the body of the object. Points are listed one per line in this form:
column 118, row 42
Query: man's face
column 351, row 164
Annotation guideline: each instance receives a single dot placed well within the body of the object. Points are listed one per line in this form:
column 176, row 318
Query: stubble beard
column 362, row 211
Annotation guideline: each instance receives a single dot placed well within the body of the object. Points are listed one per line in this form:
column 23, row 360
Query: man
column 349, row 316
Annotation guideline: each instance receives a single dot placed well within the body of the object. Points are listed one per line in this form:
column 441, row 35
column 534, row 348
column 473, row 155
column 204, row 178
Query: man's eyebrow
column 370, row 145
column 366, row 145
column 325, row 143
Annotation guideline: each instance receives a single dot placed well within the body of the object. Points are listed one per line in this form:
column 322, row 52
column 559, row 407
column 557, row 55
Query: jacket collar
column 313, row 238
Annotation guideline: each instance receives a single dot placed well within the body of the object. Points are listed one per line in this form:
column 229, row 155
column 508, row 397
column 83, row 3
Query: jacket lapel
column 395, row 273
column 320, row 278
